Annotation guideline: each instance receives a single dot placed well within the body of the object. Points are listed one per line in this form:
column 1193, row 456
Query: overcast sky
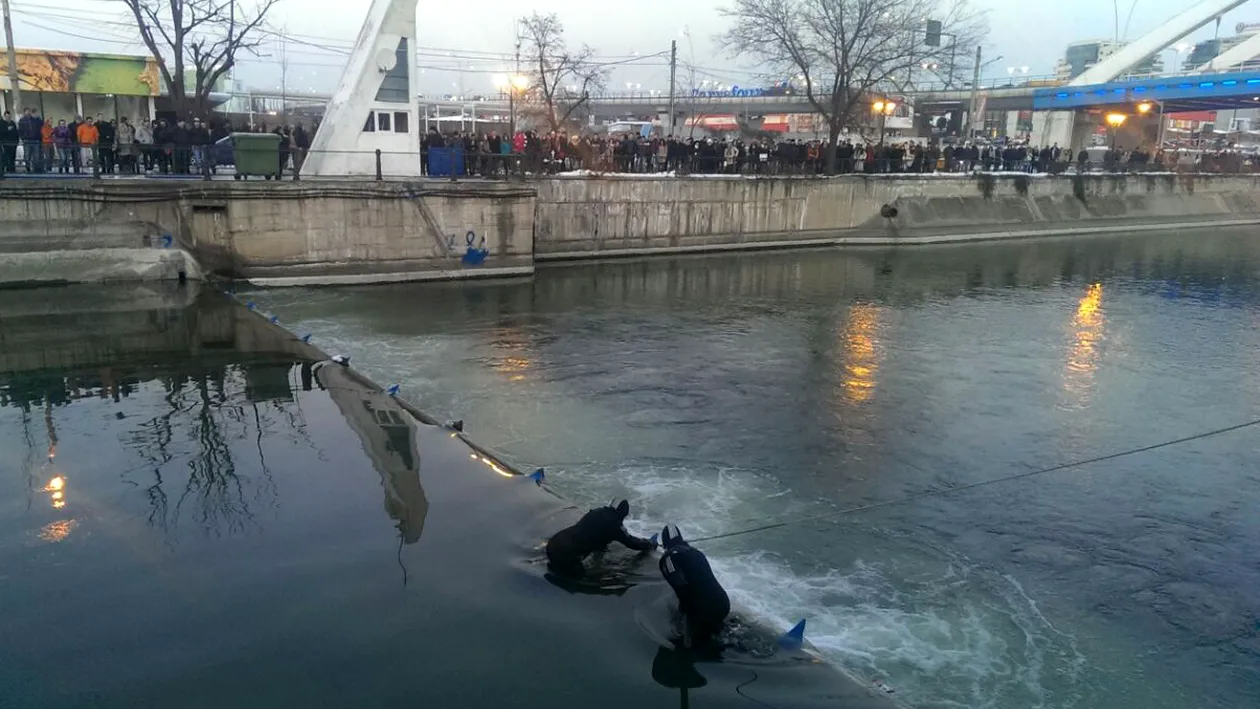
column 479, row 37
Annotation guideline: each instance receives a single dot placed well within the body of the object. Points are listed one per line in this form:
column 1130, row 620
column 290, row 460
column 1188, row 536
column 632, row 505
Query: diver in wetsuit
column 701, row 599
column 595, row 531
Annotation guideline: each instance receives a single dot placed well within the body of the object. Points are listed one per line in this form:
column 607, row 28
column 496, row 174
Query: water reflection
column 387, row 433
column 199, row 451
column 207, row 417
column 511, row 359
column 1087, row 332
column 861, row 358
column 56, row 489
column 676, row 669
column 54, row 532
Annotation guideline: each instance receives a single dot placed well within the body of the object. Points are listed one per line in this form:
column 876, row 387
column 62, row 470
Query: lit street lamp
column 511, row 84
column 1144, row 108
column 1115, row 120
column 884, row 109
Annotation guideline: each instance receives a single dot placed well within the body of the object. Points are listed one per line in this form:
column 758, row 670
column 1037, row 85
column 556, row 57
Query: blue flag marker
column 794, row 638
column 537, row 476
column 275, row 319
column 250, row 304
column 167, row 240
column 653, row 538
column 392, row 390
column 306, row 338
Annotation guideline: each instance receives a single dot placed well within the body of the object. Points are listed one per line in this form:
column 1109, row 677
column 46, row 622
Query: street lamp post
column 1115, row 120
column 884, row 109
column 511, row 84
column 1181, row 49
column 1144, row 108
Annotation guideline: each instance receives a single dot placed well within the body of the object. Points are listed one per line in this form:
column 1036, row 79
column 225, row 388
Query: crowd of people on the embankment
column 491, row 154
column 87, row 144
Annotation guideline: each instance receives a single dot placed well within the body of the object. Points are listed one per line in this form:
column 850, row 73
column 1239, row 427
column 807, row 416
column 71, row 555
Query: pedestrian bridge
column 1191, row 92
column 1175, row 92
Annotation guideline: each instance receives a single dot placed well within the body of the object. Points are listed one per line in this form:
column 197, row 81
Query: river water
column 725, row 392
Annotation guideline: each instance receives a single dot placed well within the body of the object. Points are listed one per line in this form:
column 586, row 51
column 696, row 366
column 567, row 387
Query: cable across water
column 982, row 483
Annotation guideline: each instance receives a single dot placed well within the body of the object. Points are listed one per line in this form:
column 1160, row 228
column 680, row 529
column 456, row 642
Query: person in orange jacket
column 89, row 135
column 46, row 142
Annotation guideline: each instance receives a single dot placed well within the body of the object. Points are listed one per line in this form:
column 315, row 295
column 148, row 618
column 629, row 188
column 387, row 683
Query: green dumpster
column 256, row 154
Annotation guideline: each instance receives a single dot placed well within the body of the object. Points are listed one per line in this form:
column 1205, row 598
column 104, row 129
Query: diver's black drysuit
column 594, row 532
column 701, row 599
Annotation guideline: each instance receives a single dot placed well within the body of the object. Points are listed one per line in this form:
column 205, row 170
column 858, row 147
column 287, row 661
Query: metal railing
column 192, row 162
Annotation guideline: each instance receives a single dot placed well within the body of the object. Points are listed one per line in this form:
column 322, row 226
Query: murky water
column 722, row 392
column 195, row 512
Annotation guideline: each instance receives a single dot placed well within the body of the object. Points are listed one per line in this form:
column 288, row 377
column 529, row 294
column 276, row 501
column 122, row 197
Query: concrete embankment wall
column 281, row 234
column 329, row 233
column 617, row 217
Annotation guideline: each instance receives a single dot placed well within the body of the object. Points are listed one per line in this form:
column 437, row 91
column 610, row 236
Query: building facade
column 1081, row 56
column 1206, row 51
column 62, row 84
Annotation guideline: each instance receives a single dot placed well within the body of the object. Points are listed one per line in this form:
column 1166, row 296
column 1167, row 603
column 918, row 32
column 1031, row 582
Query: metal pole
column 673, row 69
column 284, row 76
column 516, row 27
column 953, row 53
column 1159, row 133
column 14, row 82
column 975, row 97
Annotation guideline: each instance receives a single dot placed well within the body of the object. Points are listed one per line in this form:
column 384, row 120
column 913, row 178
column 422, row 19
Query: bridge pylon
column 374, row 107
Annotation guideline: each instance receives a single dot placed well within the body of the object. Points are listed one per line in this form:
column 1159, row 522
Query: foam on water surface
column 938, row 630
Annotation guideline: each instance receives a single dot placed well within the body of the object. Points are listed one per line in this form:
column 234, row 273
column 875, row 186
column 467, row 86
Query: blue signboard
column 733, row 92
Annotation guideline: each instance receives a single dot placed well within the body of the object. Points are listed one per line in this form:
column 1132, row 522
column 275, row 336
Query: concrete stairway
column 60, row 252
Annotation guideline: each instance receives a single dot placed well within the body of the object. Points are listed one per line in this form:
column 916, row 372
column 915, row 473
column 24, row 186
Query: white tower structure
column 375, row 105
column 1057, row 126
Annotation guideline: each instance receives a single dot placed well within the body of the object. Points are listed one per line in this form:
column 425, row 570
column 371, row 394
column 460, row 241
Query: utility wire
column 982, row 483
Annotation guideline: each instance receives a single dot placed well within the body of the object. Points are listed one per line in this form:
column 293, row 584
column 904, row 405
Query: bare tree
column 848, row 53
column 203, row 37
column 561, row 80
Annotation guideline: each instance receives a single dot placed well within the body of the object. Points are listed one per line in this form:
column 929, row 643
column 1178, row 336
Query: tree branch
column 204, row 35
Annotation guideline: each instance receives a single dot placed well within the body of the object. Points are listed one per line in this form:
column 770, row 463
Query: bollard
column 205, row 163
column 379, row 175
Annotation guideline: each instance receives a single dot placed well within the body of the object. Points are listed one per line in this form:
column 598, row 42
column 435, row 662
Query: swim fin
column 793, row 639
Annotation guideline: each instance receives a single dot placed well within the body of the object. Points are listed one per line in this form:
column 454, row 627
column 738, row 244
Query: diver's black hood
column 670, row 536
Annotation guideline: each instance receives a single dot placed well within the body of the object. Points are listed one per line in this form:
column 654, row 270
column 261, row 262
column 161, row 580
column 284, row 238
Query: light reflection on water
column 861, row 356
column 1088, row 332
